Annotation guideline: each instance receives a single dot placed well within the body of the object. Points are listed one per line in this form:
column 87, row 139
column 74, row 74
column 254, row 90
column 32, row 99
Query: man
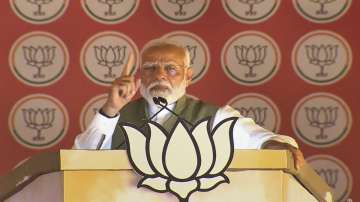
column 165, row 71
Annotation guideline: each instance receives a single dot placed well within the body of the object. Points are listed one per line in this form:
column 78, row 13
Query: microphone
column 162, row 102
column 156, row 101
column 101, row 141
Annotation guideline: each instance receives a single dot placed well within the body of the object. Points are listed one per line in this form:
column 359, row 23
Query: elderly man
column 165, row 71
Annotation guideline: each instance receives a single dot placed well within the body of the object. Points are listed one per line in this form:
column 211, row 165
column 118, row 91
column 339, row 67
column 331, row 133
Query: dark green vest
column 136, row 112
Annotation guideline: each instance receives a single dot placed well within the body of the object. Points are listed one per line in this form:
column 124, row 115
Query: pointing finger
column 129, row 64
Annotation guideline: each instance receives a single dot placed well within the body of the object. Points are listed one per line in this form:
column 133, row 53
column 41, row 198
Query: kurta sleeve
column 246, row 133
column 90, row 138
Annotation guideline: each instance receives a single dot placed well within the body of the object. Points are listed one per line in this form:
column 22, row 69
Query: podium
column 107, row 176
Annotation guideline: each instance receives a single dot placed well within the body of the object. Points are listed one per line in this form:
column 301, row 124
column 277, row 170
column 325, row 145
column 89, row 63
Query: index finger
column 129, row 64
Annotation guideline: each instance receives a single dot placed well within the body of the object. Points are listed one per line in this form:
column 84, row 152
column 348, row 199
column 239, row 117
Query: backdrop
column 291, row 65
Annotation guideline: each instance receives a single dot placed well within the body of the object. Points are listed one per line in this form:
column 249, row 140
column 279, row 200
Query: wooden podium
column 106, row 176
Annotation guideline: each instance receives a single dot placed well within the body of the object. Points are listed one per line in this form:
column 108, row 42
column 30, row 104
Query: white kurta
column 246, row 133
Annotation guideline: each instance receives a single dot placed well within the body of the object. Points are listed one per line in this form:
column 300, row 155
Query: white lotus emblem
column 182, row 161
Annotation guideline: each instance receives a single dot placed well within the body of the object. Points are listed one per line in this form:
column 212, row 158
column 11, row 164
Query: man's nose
column 160, row 73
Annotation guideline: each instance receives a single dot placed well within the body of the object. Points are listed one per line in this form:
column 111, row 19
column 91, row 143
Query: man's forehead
column 164, row 54
column 159, row 62
column 164, row 50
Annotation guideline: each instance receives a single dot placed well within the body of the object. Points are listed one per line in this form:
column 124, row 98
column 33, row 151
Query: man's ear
column 188, row 75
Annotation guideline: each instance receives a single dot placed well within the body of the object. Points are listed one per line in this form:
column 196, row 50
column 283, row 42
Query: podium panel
column 97, row 176
column 114, row 186
column 45, row 188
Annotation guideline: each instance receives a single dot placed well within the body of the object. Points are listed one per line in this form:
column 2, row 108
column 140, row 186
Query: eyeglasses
column 171, row 69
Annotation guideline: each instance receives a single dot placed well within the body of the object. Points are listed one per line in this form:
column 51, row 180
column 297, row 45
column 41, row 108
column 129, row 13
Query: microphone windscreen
column 156, row 100
column 162, row 100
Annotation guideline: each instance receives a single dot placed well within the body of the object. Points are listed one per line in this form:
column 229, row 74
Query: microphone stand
column 160, row 100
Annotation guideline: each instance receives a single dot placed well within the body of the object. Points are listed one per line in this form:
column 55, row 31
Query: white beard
column 172, row 94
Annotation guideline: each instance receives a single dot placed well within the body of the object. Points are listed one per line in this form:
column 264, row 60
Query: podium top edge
column 118, row 160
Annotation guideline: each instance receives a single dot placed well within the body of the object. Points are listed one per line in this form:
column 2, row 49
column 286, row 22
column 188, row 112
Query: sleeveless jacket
column 136, row 112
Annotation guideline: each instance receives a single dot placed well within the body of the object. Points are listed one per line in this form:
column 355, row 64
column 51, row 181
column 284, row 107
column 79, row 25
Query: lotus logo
column 335, row 173
column 251, row 4
column 323, row 117
column 322, row 3
column 39, row 119
column 250, row 56
column 258, row 114
column 181, row 4
column 183, row 161
column 321, row 56
column 192, row 51
column 39, row 57
column 330, row 176
column 39, row 4
column 110, row 3
column 322, row 11
column 110, row 57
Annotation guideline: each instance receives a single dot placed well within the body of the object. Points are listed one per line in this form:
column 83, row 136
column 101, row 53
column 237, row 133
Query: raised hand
column 122, row 90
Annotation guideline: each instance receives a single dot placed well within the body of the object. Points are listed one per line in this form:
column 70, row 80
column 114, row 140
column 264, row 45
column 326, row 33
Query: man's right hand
column 122, row 90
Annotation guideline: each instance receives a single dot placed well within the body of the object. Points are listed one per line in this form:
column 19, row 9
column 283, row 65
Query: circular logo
column 180, row 11
column 104, row 56
column 321, row 57
column 199, row 52
column 258, row 107
column 38, row 121
column 335, row 173
column 110, row 11
column 321, row 119
column 251, row 11
column 38, row 59
column 322, row 11
column 39, row 11
column 90, row 109
column 250, row 58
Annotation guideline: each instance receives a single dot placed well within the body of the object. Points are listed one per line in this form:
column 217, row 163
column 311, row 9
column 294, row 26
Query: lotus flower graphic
column 323, row 117
column 192, row 51
column 181, row 4
column 330, row 176
column 182, row 161
column 110, row 57
column 258, row 114
column 39, row 4
column 251, row 4
column 250, row 56
column 323, row 55
column 39, row 119
column 39, row 57
column 322, row 3
column 110, row 3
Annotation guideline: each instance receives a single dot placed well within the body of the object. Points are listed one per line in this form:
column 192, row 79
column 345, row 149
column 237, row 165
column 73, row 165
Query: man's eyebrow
column 150, row 63
column 160, row 63
column 171, row 62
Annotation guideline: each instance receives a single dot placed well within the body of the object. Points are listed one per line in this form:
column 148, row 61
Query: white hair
column 164, row 42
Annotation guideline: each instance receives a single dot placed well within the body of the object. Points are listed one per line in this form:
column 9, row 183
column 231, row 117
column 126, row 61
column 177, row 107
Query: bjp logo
column 39, row 59
column 321, row 119
column 103, row 56
column 322, row 57
column 182, row 161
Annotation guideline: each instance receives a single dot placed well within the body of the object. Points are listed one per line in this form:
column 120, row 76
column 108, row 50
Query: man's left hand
column 299, row 159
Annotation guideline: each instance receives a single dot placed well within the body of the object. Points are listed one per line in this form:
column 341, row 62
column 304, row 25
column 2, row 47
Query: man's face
column 163, row 70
